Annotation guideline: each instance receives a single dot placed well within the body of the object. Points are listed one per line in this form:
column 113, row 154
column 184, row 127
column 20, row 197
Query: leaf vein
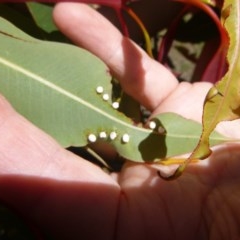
column 53, row 86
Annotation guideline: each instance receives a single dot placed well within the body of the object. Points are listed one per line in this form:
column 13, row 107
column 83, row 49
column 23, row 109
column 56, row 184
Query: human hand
column 70, row 198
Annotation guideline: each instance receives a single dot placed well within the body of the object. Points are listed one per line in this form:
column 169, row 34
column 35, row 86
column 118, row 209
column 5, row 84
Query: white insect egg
column 113, row 135
column 92, row 138
column 99, row 89
column 125, row 138
column 103, row 135
column 152, row 125
column 115, row 105
column 105, row 96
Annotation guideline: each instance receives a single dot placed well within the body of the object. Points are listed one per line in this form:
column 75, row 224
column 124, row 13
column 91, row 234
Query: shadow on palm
column 201, row 204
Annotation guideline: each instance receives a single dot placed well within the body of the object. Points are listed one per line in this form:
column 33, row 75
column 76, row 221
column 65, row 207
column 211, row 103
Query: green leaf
column 19, row 18
column 54, row 86
column 10, row 30
column 182, row 133
column 42, row 14
column 222, row 102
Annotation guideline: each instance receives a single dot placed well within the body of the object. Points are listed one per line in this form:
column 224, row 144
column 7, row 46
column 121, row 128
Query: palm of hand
column 69, row 197
column 202, row 204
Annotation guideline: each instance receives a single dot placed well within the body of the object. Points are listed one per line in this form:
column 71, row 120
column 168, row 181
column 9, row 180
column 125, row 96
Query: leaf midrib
column 235, row 55
column 62, row 91
column 229, row 73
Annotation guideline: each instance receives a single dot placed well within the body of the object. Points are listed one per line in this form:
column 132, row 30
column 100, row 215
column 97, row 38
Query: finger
column 140, row 76
column 187, row 100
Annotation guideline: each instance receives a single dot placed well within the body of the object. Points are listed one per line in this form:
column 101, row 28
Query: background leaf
column 223, row 100
column 42, row 14
column 20, row 17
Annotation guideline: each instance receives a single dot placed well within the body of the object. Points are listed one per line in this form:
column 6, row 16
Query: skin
column 69, row 198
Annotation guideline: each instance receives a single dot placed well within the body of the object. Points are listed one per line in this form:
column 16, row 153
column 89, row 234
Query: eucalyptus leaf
column 19, row 18
column 42, row 15
column 6, row 28
column 222, row 102
column 54, row 86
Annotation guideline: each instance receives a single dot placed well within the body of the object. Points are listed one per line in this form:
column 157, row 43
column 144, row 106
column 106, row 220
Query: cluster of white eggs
column 106, row 97
column 125, row 138
column 105, row 136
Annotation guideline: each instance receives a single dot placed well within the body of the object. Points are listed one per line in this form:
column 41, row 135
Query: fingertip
column 141, row 77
